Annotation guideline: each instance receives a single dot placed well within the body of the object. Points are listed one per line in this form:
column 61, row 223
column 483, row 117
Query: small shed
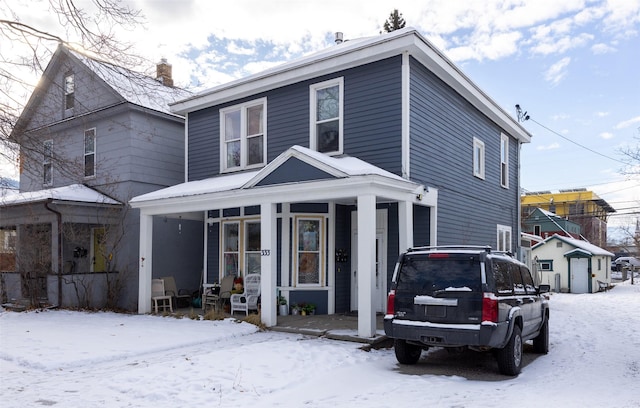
column 572, row 265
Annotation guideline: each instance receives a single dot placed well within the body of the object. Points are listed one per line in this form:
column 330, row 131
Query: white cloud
column 552, row 146
column 235, row 48
column 627, row 123
column 602, row 114
column 602, row 48
column 557, row 71
column 606, row 135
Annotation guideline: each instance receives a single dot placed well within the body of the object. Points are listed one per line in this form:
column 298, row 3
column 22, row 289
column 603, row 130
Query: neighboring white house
column 572, row 265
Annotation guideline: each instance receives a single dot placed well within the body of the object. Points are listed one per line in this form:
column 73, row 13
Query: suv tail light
column 391, row 300
column 489, row 307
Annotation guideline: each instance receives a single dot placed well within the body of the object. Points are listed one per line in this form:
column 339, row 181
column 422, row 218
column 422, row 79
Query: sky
column 571, row 65
column 71, row 359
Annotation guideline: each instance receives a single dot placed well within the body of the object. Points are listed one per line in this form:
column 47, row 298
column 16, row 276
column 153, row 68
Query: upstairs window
column 504, row 161
column 326, row 113
column 69, row 92
column 478, row 158
column 90, row 152
column 243, row 135
column 47, row 163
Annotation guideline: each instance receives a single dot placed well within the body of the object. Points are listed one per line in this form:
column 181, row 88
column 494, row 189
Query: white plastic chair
column 159, row 297
column 249, row 299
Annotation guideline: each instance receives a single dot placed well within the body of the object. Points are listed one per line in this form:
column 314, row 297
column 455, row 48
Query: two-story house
column 319, row 172
column 544, row 224
column 93, row 135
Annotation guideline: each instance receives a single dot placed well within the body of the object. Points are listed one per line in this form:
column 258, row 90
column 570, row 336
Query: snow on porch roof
column 72, row 193
column 338, row 167
column 585, row 246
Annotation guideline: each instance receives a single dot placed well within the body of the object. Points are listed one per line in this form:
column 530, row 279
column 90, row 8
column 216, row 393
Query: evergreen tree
column 394, row 22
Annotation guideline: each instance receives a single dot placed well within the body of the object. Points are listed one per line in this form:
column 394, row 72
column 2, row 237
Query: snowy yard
column 75, row 359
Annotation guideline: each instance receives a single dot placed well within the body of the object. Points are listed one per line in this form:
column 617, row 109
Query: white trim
column 84, row 155
column 479, row 160
column 504, row 143
column 313, row 100
column 186, row 148
column 322, row 251
column 502, row 231
column 331, row 262
column 406, row 115
column 243, row 138
column 285, row 256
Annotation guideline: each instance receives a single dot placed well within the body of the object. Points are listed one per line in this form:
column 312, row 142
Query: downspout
column 59, row 237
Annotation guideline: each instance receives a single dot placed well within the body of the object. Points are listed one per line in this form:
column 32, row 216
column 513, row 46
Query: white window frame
column 241, row 252
column 247, row 252
column 504, row 238
column 90, row 153
column 69, row 91
column 478, row 158
column 320, row 251
column 313, row 122
column 47, row 162
column 504, row 160
column 243, row 138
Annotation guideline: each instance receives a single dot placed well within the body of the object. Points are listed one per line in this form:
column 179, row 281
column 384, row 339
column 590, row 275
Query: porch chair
column 178, row 297
column 217, row 298
column 159, row 297
column 249, row 299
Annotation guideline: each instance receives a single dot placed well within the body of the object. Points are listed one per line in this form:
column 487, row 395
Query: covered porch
column 300, row 205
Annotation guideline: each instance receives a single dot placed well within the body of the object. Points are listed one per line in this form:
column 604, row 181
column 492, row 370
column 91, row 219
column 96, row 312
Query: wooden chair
column 159, row 297
column 249, row 299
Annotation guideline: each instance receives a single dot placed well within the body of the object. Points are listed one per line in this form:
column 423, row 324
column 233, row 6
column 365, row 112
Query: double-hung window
column 326, row 113
column 69, row 91
column 504, row 161
column 309, row 250
column 47, row 163
column 478, row 158
column 504, row 238
column 90, row 152
column 243, row 141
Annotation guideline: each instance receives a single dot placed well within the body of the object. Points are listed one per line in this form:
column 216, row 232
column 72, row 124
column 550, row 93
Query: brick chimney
column 163, row 72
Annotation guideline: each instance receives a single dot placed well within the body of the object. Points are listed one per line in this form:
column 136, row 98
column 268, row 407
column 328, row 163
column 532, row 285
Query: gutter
column 59, row 237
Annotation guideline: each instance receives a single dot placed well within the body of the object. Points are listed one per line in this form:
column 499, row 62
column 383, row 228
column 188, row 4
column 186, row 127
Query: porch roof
column 77, row 193
column 317, row 177
column 580, row 246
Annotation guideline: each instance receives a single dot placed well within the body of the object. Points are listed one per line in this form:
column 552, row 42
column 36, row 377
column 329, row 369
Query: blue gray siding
column 442, row 128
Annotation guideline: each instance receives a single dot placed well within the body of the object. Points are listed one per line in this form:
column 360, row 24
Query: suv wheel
column 541, row 342
column 509, row 358
column 406, row 353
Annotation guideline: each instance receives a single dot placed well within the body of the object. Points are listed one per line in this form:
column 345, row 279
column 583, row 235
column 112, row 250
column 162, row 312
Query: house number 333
column 265, row 252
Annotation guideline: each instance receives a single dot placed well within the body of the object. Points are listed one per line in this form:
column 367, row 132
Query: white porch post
column 268, row 264
column 433, row 222
column 366, row 264
column 145, row 267
column 405, row 225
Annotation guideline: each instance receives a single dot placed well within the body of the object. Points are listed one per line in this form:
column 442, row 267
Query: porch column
column 405, row 225
column 366, row 264
column 433, row 223
column 268, row 264
column 144, row 262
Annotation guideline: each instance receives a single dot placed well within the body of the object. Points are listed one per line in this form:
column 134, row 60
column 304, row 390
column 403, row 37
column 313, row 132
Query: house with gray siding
column 317, row 173
column 92, row 136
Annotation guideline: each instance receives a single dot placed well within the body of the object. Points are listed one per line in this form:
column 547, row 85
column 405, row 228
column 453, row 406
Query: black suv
column 457, row 297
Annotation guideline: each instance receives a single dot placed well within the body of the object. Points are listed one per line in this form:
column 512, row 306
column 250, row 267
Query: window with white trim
column 546, row 265
column 243, row 138
column 309, row 253
column 47, row 163
column 240, row 247
column 90, row 152
column 69, row 91
column 478, row 158
column 504, row 161
column 326, row 113
column 504, row 238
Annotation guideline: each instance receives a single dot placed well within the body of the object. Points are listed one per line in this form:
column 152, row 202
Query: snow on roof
column 579, row 244
column 348, row 166
column 72, row 193
column 135, row 87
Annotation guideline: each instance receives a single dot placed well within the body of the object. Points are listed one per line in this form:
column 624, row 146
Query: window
column 504, row 161
column 48, row 163
column 309, row 254
column 243, row 135
column 546, row 265
column 559, row 244
column 240, row 247
column 504, row 238
column 537, row 230
column 69, row 91
column 478, row 158
column 599, row 264
column 90, row 152
column 326, row 103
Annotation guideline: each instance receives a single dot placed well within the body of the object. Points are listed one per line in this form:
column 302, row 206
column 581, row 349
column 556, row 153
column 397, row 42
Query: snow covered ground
column 76, row 359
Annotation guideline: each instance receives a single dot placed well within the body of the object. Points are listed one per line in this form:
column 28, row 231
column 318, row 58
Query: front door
column 380, row 295
column 579, row 275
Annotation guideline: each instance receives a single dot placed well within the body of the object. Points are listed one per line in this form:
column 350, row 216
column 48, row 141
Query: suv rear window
column 423, row 274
